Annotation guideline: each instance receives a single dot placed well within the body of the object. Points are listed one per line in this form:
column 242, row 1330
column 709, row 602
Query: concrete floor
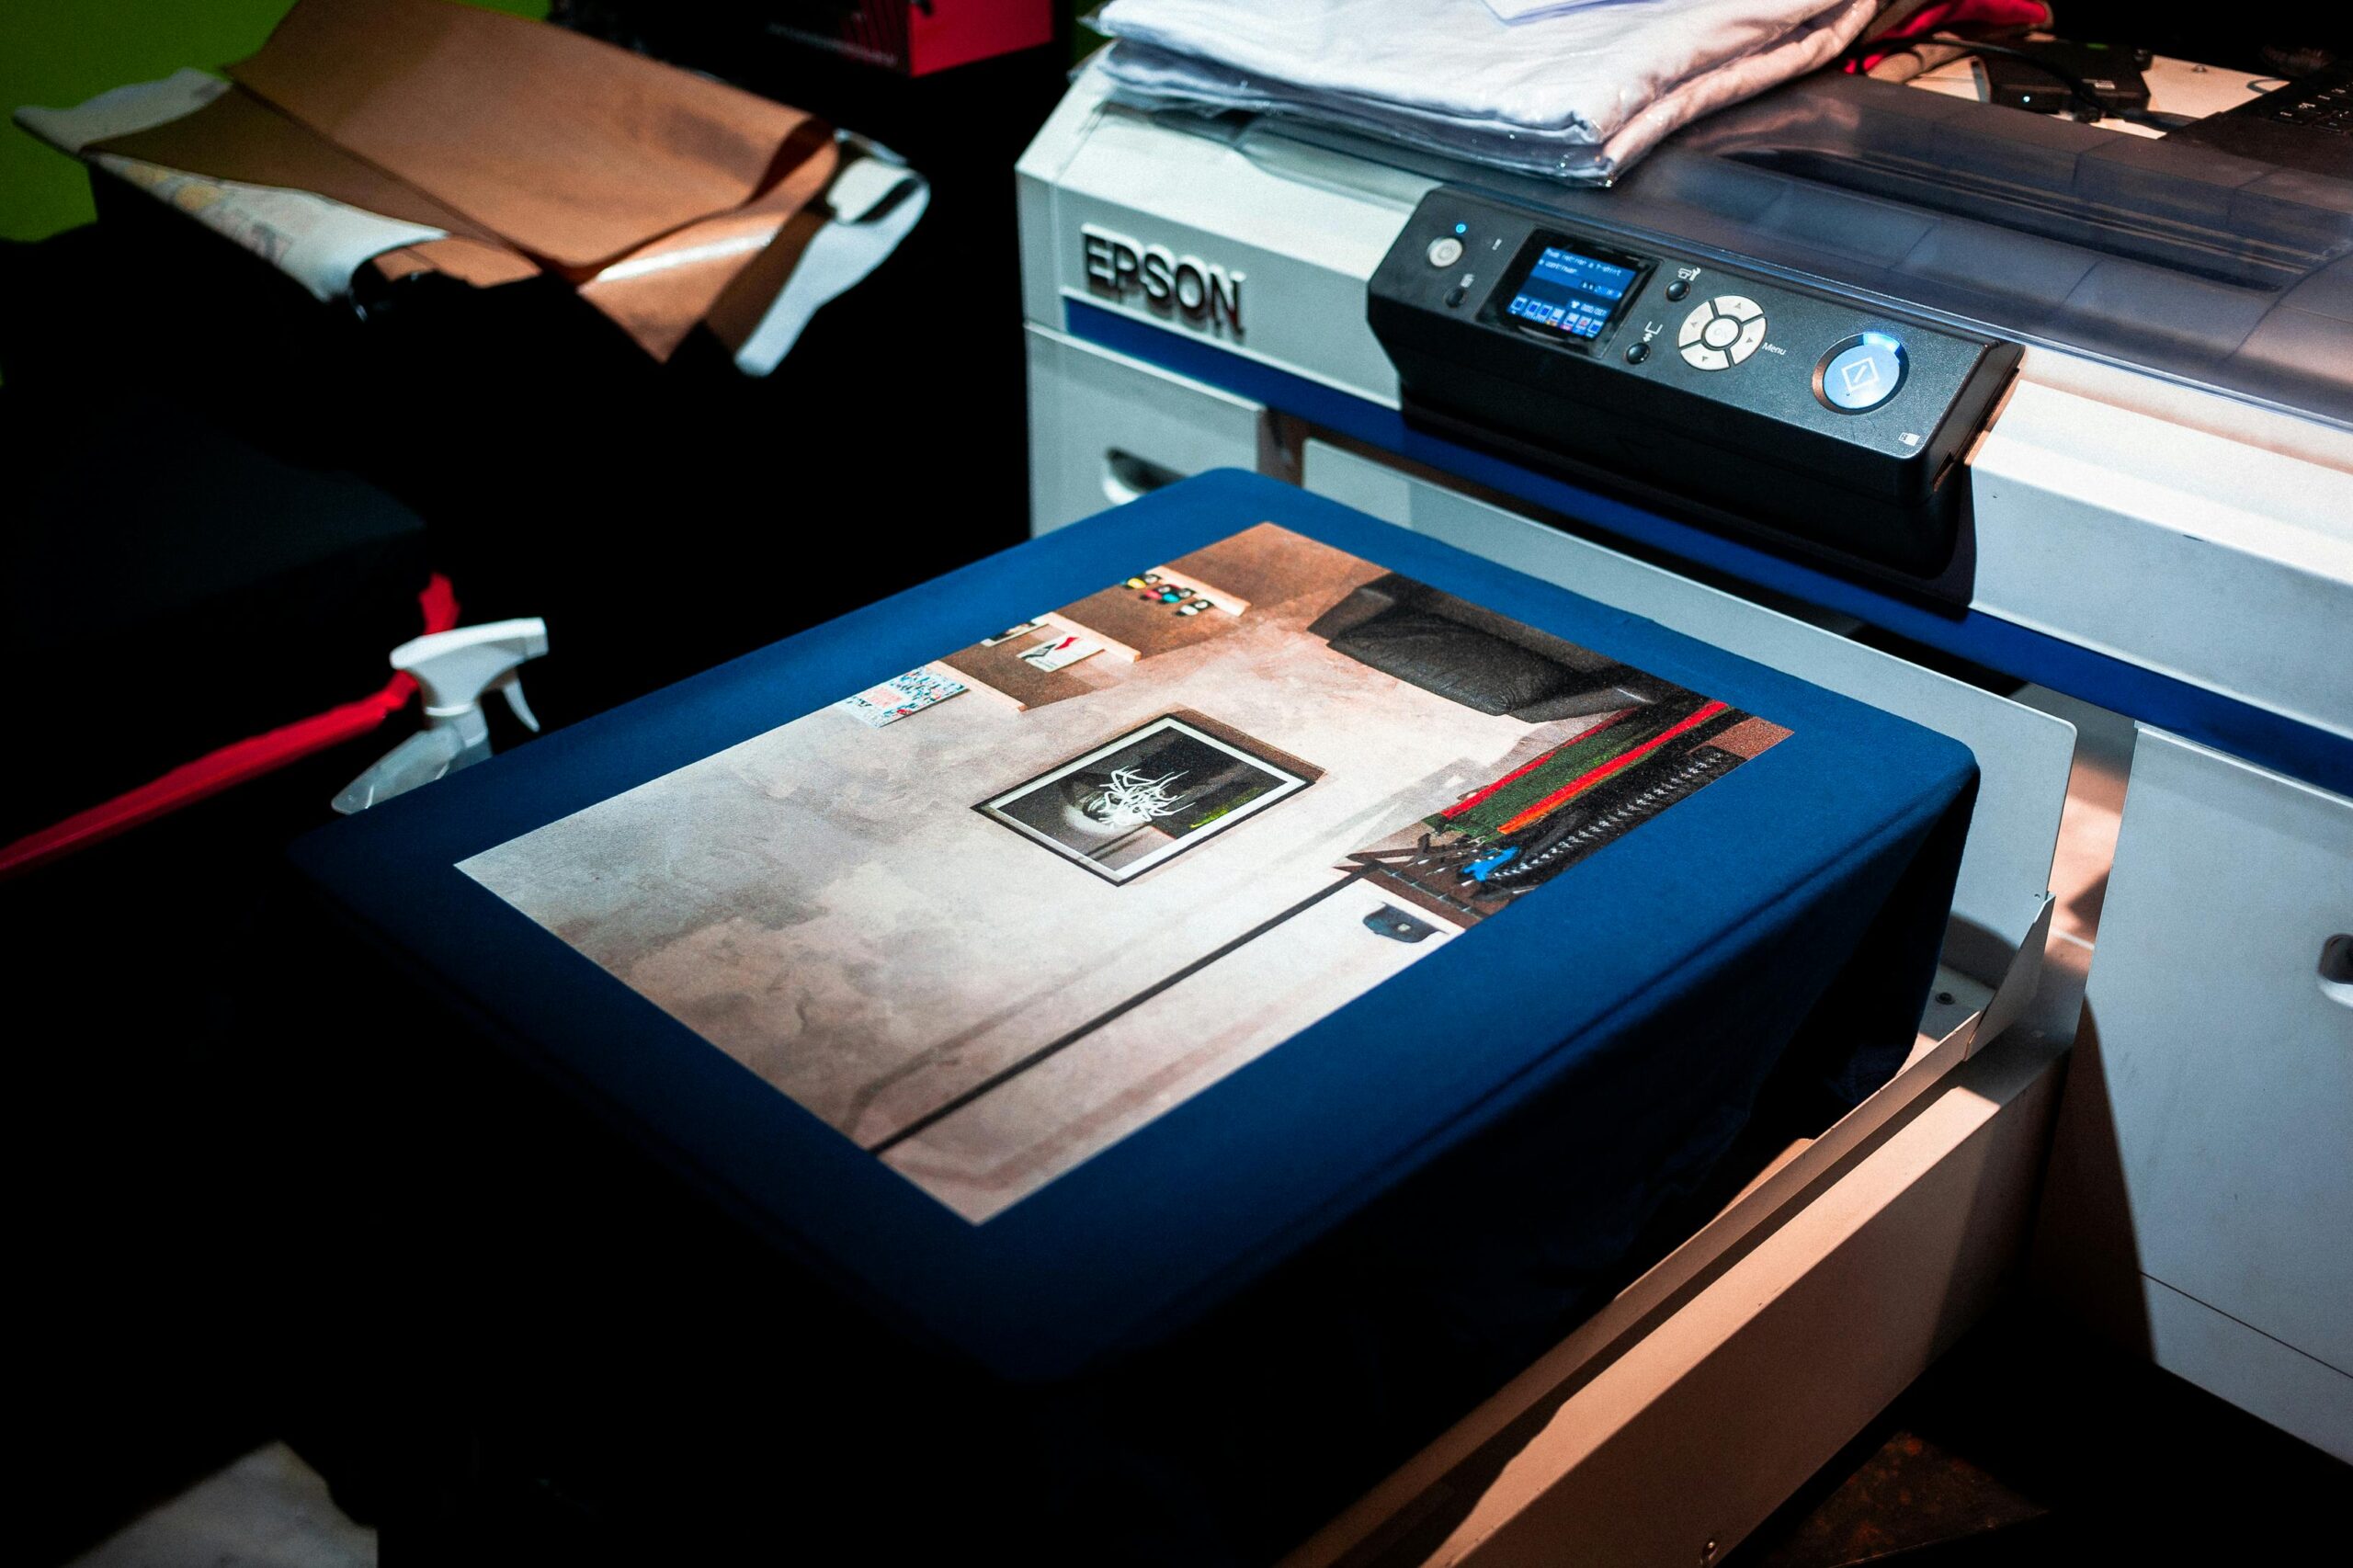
column 2029, row 1443
column 266, row 1510
column 2032, row 1442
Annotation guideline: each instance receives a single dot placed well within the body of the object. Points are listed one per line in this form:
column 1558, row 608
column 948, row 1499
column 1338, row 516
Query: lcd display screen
column 1572, row 291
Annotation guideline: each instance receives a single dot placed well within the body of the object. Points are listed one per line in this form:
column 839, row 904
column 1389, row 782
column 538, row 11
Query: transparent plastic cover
column 2175, row 258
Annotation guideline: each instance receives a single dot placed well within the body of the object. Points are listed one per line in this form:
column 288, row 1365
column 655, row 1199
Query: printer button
column 1738, row 307
column 1445, row 251
column 1751, row 336
column 1721, row 332
column 1693, row 325
column 1698, row 356
column 1861, row 374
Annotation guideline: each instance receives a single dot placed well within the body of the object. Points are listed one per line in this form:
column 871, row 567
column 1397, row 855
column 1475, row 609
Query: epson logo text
column 1117, row 268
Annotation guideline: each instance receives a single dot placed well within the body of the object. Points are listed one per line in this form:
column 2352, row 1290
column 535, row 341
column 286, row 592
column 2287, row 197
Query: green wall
column 58, row 52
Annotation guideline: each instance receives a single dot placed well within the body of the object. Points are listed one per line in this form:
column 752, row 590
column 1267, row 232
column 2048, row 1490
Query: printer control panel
column 1756, row 405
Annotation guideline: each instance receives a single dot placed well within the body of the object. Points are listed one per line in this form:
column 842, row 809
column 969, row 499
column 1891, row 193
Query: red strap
column 232, row 763
column 1588, row 779
column 1529, row 767
column 1990, row 14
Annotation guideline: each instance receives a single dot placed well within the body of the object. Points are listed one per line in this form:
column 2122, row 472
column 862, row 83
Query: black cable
column 2080, row 89
column 2076, row 85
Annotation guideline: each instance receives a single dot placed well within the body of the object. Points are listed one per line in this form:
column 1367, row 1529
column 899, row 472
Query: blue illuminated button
column 1861, row 374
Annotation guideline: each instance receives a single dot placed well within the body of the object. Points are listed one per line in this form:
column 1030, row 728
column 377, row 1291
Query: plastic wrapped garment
column 1575, row 95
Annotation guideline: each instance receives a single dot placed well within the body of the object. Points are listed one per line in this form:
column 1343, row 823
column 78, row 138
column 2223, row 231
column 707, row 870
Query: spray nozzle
column 452, row 670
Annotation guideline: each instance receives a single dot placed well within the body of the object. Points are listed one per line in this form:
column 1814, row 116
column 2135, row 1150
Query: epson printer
column 1992, row 420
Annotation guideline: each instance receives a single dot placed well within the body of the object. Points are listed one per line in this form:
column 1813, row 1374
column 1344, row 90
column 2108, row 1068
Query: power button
column 1860, row 372
column 1445, row 251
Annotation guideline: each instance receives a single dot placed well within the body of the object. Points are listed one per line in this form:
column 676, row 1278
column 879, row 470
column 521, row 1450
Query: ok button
column 1861, row 374
column 1719, row 333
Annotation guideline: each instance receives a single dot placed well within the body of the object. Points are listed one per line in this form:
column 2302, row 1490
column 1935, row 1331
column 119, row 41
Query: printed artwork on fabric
column 1057, row 653
column 901, row 695
column 995, row 941
column 1126, row 807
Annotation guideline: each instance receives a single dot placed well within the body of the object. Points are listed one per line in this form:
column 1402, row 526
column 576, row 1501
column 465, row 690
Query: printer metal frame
column 1674, row 1421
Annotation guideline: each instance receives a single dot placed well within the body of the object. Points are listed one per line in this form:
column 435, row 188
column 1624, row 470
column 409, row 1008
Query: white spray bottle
column 453, row 670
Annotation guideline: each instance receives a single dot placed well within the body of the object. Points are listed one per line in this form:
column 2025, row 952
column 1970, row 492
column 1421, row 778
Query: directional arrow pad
column 1721, row 332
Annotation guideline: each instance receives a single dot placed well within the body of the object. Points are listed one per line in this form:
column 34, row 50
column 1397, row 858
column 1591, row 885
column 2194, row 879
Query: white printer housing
column 1196, row 297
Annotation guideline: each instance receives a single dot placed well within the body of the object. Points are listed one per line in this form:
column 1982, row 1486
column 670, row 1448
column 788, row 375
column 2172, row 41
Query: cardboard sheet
column 667, row 198
column 660, row 290
column 239, row 137
column 572, row 150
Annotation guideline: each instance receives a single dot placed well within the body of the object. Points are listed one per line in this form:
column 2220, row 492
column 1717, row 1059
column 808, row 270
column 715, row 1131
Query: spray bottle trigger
column 511, row 688
column 452, row 669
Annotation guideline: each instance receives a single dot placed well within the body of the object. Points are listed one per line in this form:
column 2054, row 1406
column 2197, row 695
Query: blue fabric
column 1486, row 1133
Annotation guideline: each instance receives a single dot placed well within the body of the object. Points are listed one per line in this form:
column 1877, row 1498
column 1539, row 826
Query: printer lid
column 2167, row 256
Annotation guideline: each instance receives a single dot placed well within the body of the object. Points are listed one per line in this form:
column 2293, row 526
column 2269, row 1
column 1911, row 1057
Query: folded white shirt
column 1524, row 10
column 1575, row 94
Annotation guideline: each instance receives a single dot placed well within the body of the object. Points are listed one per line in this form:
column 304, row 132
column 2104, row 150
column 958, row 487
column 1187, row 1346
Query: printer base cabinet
column 2200, row 1203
